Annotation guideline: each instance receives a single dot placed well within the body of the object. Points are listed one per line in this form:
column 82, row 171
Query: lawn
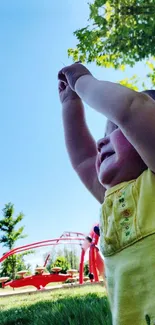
column 74, row 306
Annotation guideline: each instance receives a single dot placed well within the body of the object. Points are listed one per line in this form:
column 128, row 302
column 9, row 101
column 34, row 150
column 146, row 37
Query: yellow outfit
column 127, row 229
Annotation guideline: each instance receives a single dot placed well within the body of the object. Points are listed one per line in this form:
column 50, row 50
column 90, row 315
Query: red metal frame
column 96, row 263
column 51, row 242
column 39, row 280
column 81, row 268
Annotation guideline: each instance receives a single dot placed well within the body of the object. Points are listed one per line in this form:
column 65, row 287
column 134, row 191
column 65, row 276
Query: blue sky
column 35, row 171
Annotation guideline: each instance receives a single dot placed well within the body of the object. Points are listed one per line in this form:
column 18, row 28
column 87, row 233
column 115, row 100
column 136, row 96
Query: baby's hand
column 72, row 73
column 66, row 94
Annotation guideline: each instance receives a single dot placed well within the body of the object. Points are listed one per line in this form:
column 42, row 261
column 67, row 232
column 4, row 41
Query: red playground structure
column 41, row 279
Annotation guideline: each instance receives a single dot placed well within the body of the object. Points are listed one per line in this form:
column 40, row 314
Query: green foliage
column 9, row 236
column 151, row 75
column 118, row 33
column 130, row 83
column 16, row 261
column 63, row 263
column 86, row 269
column 53, row 256
column 70, row 256
column 8, row 227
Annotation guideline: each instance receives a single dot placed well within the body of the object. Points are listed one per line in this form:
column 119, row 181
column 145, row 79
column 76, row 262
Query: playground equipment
column 96, row 263
column 41, row 279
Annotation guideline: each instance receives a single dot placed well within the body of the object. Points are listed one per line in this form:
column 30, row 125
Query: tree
column 119, row 33
column 18, row 261
column 9, row 236
column 52, row 256
column 63, row 263
column 72, row 257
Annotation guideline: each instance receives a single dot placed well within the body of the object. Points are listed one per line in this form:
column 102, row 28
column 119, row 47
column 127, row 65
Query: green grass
column 74, row 306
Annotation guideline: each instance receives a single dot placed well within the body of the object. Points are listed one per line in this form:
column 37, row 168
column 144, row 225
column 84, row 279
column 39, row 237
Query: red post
column 90, row 264
column 94, row 267
column 81, row 266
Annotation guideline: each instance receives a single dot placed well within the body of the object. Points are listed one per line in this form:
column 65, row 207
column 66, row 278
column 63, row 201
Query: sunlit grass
column 74, row 306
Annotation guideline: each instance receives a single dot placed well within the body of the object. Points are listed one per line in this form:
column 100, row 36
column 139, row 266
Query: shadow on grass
column 89, row 309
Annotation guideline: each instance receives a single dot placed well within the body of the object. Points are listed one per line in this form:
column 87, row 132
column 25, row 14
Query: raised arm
column 108, row 98
column 131, row 111
column 79, row 142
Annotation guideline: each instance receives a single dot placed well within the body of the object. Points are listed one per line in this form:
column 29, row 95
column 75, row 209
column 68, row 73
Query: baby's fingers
column 61, row 76
column 62, row 85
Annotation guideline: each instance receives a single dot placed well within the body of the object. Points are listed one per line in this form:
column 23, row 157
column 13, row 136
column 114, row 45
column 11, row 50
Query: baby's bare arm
column 81, row 147
column 79, row 142
column 132, row 111
column 108, row 98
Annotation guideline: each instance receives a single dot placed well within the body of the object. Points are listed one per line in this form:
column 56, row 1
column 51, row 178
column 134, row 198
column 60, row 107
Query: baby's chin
column 114, row 170
column 109, row 173
column 113, row 176
column 107, row 180
column 112, row 179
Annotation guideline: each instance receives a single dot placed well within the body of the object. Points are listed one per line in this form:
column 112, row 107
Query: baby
column 119, row 172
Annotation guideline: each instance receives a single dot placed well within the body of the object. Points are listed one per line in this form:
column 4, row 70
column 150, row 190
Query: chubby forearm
column 79, row 141
column 108, row 98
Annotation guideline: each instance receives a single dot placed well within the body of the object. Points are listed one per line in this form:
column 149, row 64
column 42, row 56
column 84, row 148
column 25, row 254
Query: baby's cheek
column 119, row 140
